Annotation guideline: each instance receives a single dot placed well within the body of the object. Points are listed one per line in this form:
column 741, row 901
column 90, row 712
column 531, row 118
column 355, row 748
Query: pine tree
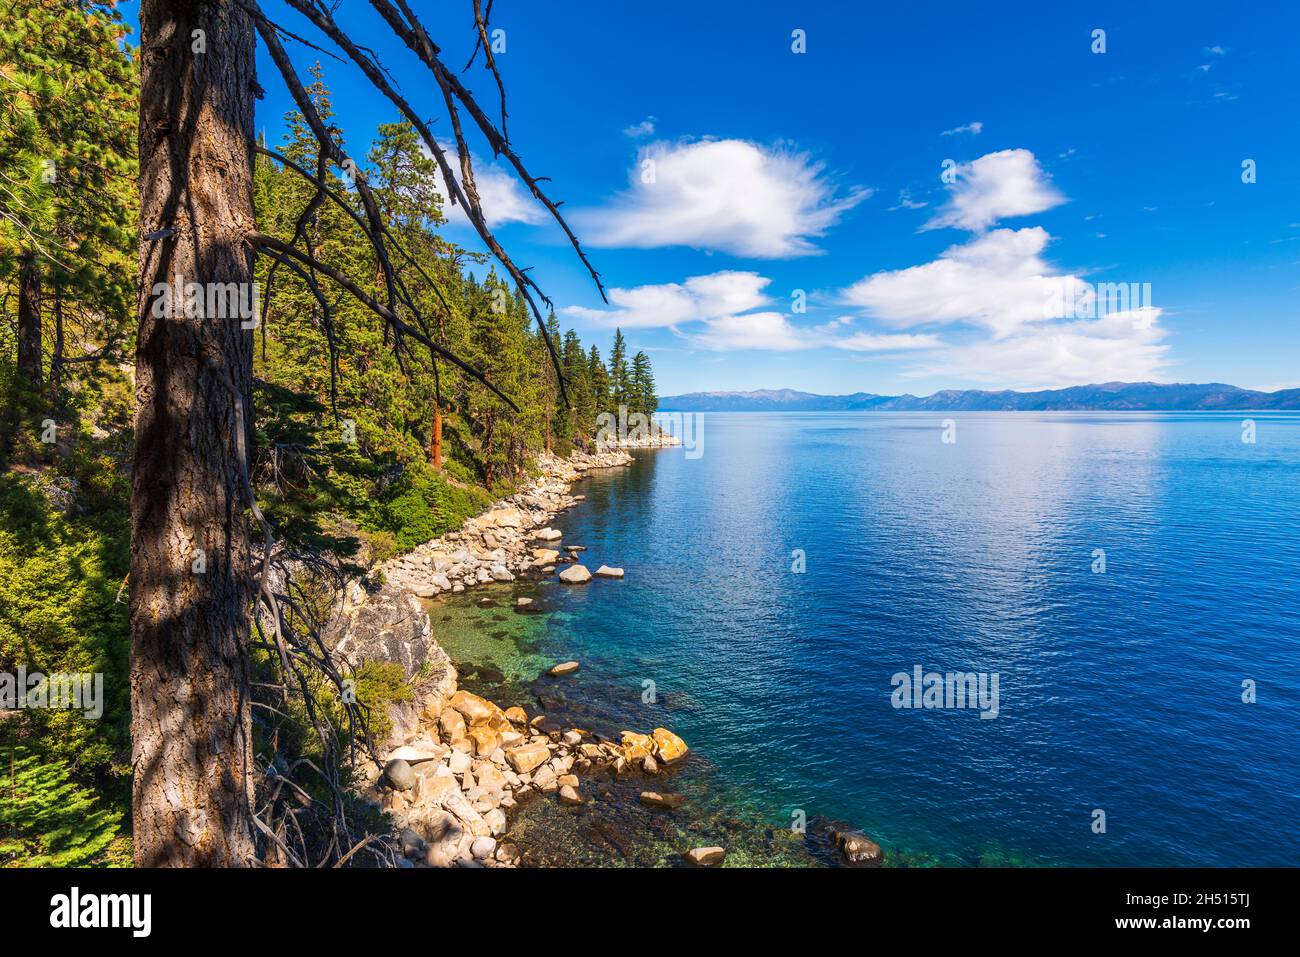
column 67, row 148
column 643, row 397
column 618, row 373
column 600, row 386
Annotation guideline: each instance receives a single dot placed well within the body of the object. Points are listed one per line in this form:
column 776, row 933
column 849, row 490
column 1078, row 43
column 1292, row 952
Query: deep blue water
column 1119, row 691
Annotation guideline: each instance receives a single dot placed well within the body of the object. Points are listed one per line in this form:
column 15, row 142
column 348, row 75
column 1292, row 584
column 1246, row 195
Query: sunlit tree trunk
column 190, row 583
column 435, row 453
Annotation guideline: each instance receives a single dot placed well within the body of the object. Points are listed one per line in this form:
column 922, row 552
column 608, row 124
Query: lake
column 1127, row 577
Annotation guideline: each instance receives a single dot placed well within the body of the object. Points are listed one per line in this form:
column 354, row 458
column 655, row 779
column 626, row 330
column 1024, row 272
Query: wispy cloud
column 724, row 195
column 723, row 311
column 905, row 201
column 641, row 130
column 972, row 128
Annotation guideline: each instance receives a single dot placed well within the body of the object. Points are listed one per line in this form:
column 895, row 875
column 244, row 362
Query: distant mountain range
column 1106, row 397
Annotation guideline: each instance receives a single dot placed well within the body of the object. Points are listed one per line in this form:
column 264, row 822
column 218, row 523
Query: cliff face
column 392, row 625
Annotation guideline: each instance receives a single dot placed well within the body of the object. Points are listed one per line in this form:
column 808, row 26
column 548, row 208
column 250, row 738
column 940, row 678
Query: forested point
column 358, row 449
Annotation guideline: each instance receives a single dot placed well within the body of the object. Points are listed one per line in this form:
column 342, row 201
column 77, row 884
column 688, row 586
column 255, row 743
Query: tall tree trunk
column 435, row 453
column 190, row 576
column 56, row 356
column 29, row 322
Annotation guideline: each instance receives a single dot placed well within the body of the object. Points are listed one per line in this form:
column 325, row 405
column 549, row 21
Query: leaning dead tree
column 200, row 585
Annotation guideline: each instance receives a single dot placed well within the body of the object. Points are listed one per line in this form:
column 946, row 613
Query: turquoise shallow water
column 1119, row 691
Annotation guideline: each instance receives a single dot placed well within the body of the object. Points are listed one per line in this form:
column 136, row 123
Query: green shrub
column 48, row 820
column 423, row 504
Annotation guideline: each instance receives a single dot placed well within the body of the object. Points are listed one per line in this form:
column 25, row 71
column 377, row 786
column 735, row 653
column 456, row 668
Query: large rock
column 706, row 856
column 473, row 707
column 569, row 795
column 563, row 668
column 525, row 757
column 575, row 575
column 637, row 747
column 399, row 775
column 548, row 535
column 605, row 571
column 485, row 739
column 490, row 777
column 857, row 848
column 545, row 556
column 545, row 779
column 435, row 790
column 668, row 746
column 419, row 752
column 501, row 518
column 392, row 626
column 452, row 724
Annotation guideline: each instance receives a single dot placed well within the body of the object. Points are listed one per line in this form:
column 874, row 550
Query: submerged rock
column 857, row 848
column 563, row 668
column 660, row 799
column 706, row 856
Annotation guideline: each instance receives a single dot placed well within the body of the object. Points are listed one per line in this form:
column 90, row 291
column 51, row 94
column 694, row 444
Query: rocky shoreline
column 456, row 764
column 457, row 769
column 511, row 539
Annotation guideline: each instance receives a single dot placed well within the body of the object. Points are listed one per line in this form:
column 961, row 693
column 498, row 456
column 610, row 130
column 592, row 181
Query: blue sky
column 776, row 171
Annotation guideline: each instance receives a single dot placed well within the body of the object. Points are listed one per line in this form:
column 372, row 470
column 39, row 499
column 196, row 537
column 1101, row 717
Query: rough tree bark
column 29, row 322
column 190, row 724
column 435, row 453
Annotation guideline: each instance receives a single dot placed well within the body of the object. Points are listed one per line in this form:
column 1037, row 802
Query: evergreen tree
column 600, row 386
column 618, row 372
column 68, row 91
column 643, row 397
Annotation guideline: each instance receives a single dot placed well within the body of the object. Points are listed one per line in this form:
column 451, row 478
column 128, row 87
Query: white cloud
column 972, row 128
column 502, row 196
column 1010, row 308
column 716, row 312
column 757, row 330
column 993, row 187
column 879, row 342
column 1121, row 346
column 999, row 281
column 638, row 130
column 726, row 195
column 672, row 304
